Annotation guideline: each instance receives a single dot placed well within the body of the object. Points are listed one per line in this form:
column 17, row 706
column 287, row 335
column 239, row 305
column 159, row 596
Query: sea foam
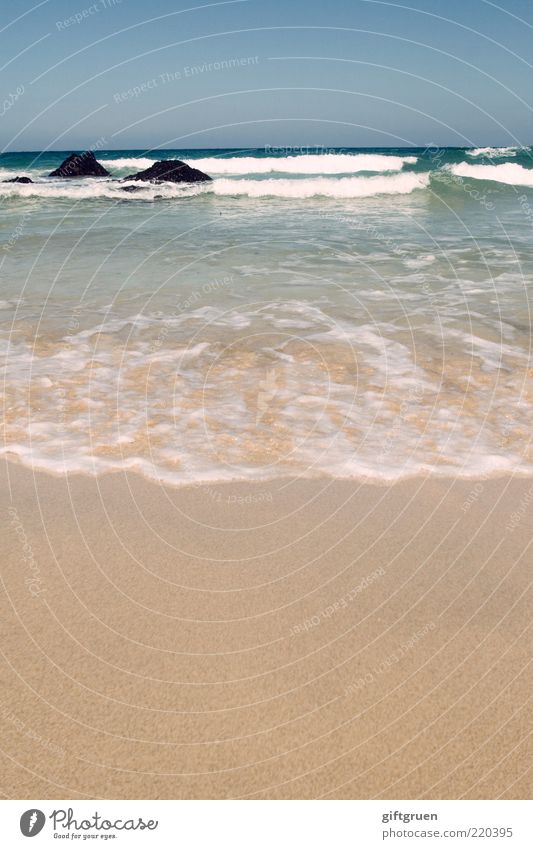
column 330, row 163
column 492, row 151
column 508, row 172
column 133, row 162
column 94, row 189
column 345, row 187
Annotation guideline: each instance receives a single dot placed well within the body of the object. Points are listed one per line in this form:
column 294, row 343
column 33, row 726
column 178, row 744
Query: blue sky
column 129, row 74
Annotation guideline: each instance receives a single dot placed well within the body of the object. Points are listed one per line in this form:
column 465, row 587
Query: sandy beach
column 283, row 639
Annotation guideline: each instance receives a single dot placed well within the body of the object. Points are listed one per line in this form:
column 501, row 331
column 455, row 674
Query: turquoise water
column 357, row 313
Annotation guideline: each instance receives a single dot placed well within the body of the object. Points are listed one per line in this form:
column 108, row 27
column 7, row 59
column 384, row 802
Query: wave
column 97, row 189
column 138, row 162
column 329, row 163
column 9, row 173
column 493, row 151
column 346, row 187
column 508, row 172
column 299, row 164
column 97, row 400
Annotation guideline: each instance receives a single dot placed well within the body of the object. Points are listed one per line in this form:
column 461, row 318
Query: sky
column 126, row 74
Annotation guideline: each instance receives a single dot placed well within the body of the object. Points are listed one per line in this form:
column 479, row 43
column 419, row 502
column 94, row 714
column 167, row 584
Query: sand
column 287, row 639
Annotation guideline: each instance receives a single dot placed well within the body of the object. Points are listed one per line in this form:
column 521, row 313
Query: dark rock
column 18, row 180
column 170, row 170
column 131, row 188
column 80, row 165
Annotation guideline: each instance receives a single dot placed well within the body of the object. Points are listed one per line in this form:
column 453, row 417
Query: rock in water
column 170, row 170
column 18, row 180
column 80, row 165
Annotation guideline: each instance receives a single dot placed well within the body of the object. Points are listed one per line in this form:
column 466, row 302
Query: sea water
column 353, row 313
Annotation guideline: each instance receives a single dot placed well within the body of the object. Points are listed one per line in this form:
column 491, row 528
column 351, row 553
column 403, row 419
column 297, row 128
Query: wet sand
column 287, row 639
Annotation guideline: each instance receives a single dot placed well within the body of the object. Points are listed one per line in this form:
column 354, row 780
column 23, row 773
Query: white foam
column 345, row 187
column 508, row 172
column 10, row 173
column 329, row 163
column 137, row 162
column 102, row 403
column 90, row 189
column 421, row 261
column 492, row 151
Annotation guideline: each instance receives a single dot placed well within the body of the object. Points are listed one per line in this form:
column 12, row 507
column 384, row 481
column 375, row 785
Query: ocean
column 354, row 313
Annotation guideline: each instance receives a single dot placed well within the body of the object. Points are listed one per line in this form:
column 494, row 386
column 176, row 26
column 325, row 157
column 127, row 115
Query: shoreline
column 329, row 639
column 447, row 475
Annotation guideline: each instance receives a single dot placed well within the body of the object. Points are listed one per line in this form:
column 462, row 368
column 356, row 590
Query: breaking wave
column 493, row 151
column 94, row 189
column 508, row 172
column 329, row 163
column 346, row 187
column 137, row 163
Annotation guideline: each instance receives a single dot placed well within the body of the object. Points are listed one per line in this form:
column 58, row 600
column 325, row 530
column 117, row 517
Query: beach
column 266, row 405
column 267, row 476
column 280, row 639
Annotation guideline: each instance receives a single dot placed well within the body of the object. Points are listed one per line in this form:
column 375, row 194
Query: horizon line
column 273, row 147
